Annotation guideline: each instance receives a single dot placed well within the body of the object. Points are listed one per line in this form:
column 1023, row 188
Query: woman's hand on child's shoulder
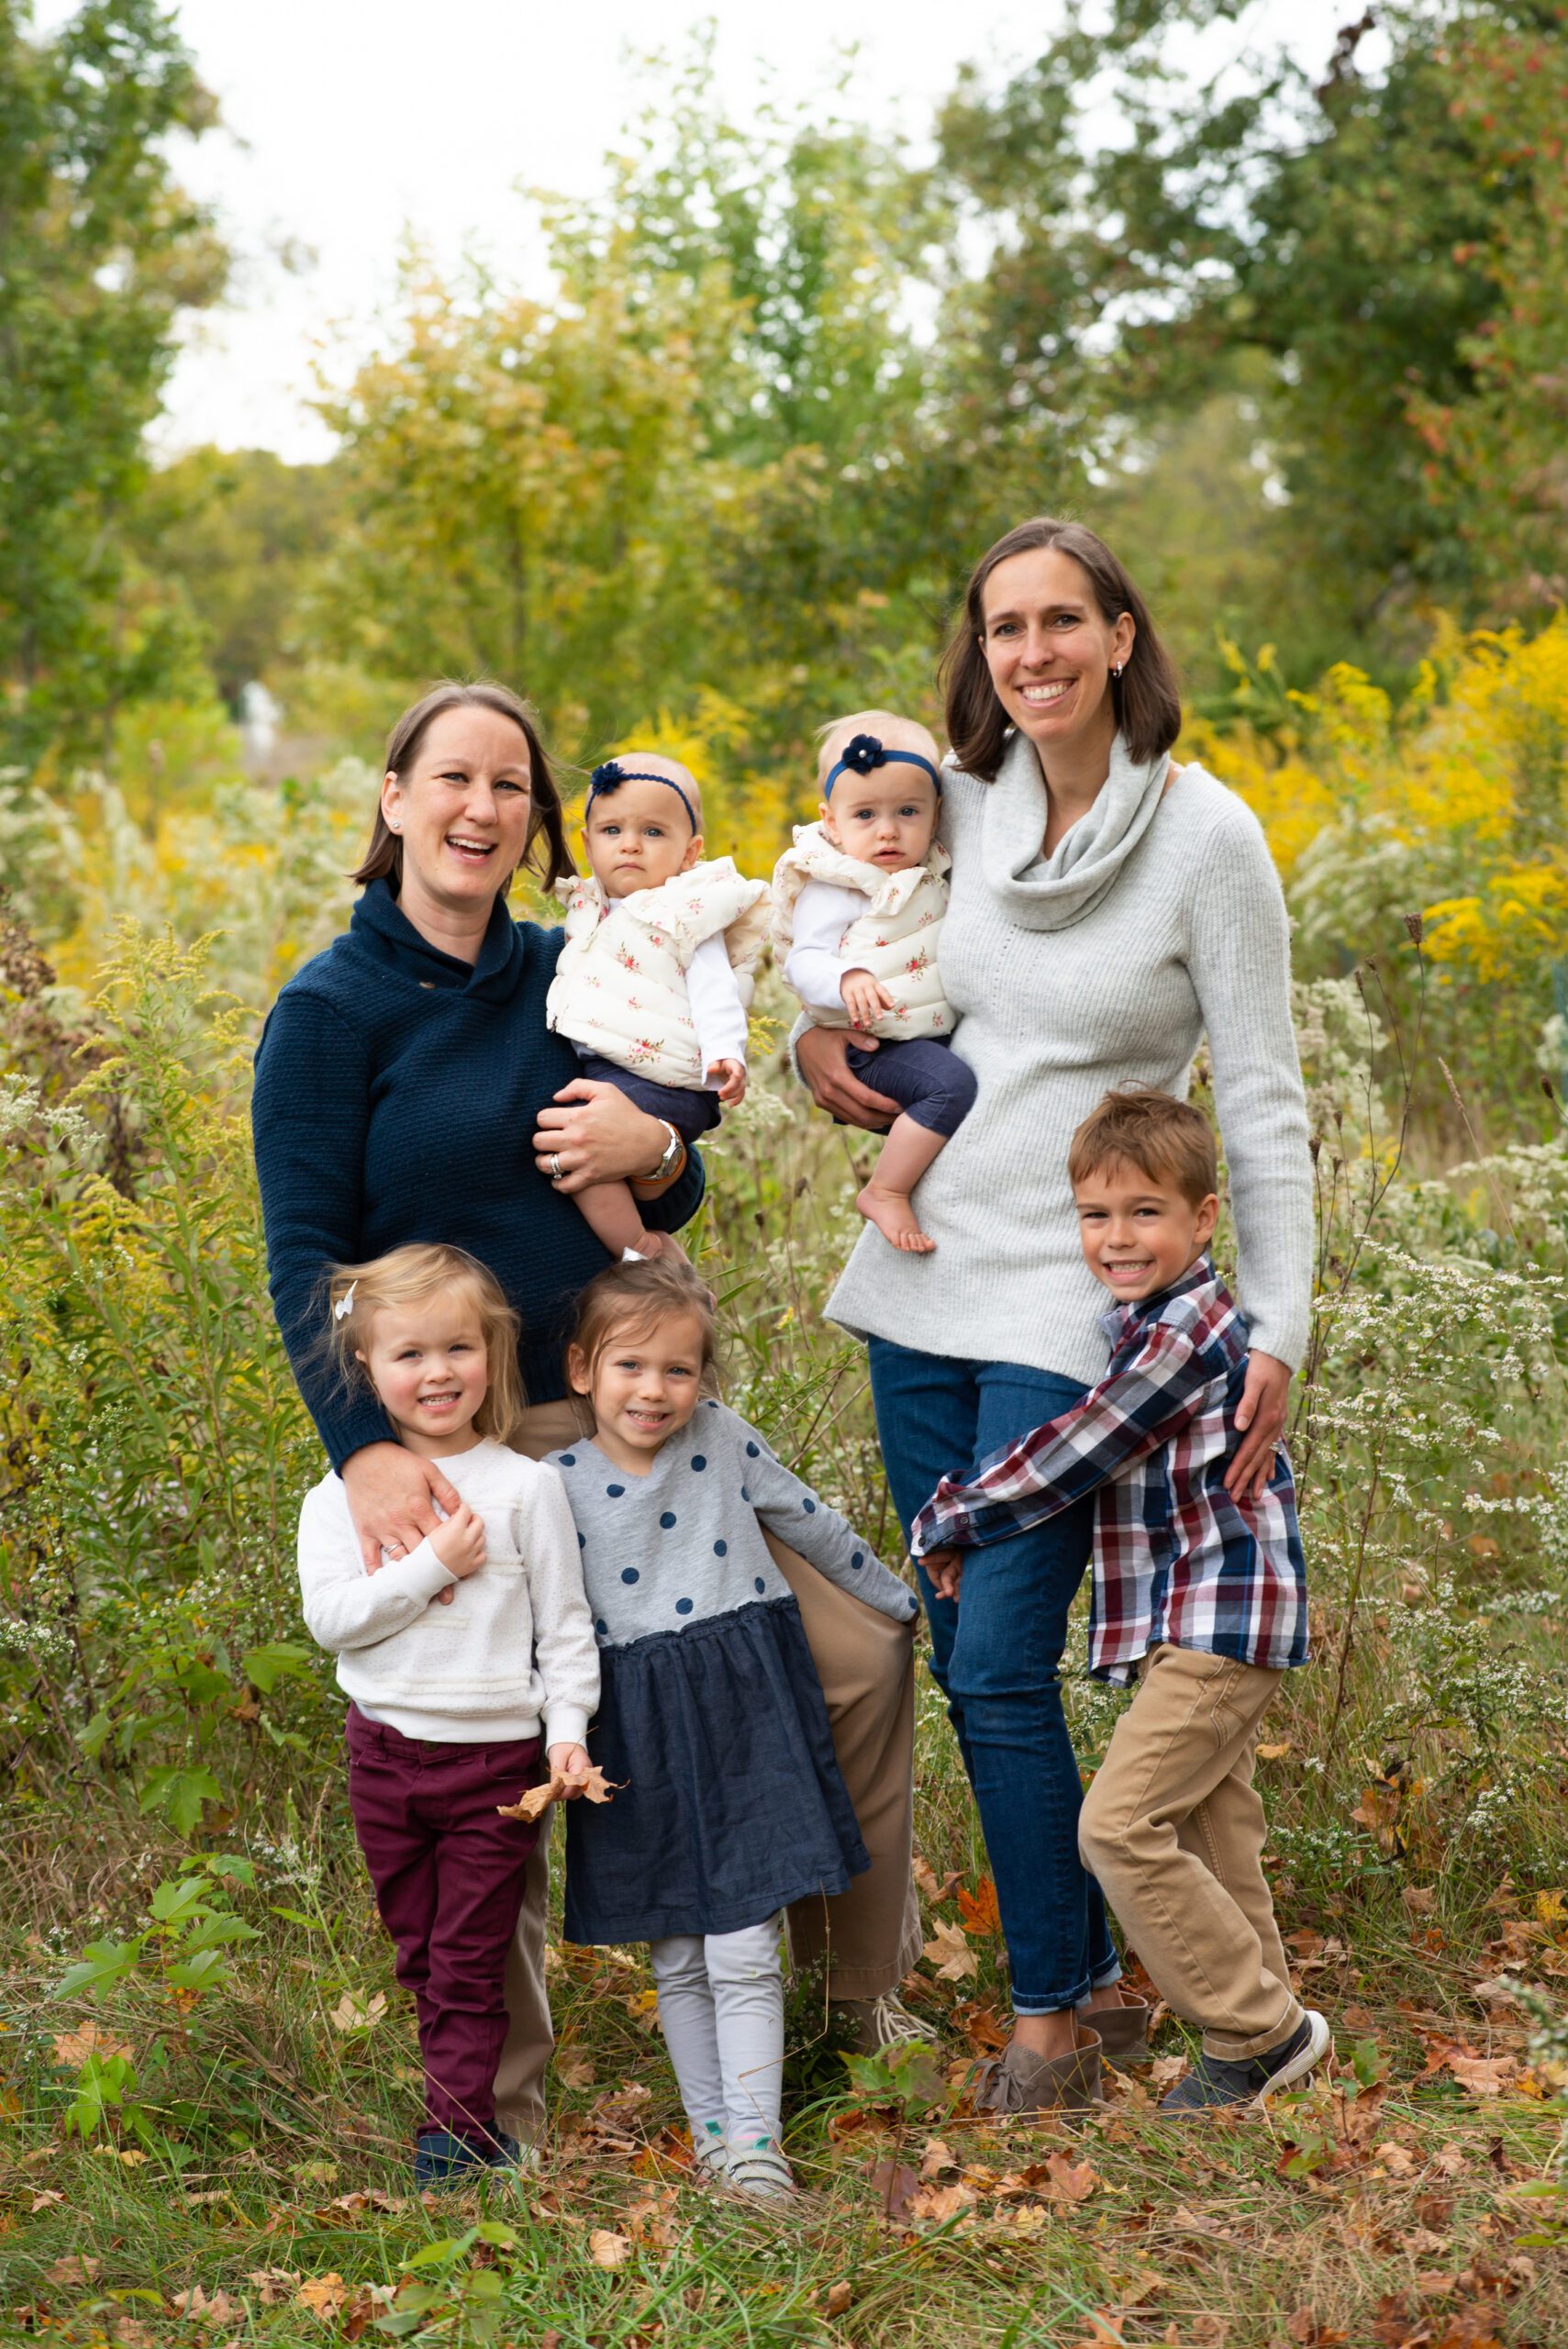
column 460, row 1542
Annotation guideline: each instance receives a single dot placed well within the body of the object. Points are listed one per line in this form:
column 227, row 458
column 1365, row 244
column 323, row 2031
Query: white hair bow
column 345, row 1304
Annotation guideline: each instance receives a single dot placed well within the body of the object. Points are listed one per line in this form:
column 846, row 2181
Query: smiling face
column 1049, row 650
column 887, row 818
column 461, row 810
column 1140, row 1234
column 428, row 1364
column 639, row 836
column 645, row 1384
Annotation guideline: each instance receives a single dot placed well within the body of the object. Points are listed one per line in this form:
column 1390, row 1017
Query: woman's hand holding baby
column 834, row 1084
column 865, row 999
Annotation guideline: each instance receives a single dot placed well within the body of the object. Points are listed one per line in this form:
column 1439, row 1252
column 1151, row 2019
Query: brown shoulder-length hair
column 382, row 861
column 1146, row 696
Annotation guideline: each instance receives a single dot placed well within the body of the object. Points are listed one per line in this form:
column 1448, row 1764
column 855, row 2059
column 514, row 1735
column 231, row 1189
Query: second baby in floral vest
column 654, row 980
column 858, row 907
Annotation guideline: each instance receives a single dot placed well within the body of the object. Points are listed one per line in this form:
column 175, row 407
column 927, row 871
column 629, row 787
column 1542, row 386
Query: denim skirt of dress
column 729, row 1801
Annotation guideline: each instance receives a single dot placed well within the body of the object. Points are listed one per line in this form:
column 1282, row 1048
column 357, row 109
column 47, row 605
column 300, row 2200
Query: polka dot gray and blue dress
column 711, row 1715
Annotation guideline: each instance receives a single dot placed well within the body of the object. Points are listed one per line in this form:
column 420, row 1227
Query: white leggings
column 721, row 2009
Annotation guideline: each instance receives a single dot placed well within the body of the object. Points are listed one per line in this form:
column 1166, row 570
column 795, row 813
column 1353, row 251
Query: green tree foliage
column 712, row 460
column 1380, row 239
column 239, row 530
column 99, row 251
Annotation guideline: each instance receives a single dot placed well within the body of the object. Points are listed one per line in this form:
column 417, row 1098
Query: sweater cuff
column 1286, row 1344
column 421, row 1574
column 564, row 1725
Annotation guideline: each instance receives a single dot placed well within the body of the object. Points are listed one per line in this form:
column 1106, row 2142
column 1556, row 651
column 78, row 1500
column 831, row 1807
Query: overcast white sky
column 350, row 121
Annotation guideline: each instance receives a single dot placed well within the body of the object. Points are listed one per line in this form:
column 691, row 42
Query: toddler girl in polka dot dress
column 711, row 1714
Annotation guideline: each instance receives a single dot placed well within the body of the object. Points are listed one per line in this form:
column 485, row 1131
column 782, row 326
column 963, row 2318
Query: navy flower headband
column 864, row 752
column 612, row 775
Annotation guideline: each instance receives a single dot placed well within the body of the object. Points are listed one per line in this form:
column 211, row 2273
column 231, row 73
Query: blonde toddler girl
column 462, row 1662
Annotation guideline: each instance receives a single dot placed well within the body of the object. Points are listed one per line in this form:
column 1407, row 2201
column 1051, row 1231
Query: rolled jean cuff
column 1107, row 1977
column 1024, row 2005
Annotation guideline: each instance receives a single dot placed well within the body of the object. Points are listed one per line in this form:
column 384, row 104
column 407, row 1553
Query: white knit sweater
column 1155, row 919
column 515, row 1647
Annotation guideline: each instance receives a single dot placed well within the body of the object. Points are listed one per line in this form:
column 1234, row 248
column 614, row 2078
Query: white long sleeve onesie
column 813, row 966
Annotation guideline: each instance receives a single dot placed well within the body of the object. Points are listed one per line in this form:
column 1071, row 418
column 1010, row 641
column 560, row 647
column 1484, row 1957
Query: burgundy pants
column 449, row 1882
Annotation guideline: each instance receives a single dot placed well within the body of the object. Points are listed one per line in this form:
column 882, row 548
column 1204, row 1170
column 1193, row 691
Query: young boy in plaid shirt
column 1199, row 1596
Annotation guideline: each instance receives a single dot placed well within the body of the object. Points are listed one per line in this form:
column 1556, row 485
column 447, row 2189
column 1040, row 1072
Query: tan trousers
column 1174, row 1830
column 870, row 1935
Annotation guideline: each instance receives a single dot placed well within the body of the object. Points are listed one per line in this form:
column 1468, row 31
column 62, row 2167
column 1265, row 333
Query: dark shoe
column 1124, row 2031
column 1018, row 2082
column 1214, row 2081
column 439, row 2157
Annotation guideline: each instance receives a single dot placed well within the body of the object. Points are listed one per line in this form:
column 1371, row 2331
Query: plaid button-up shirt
column 1177, row 1559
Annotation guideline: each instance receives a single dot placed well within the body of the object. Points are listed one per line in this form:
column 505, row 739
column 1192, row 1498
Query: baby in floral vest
column 858, row 907
column 654, row 980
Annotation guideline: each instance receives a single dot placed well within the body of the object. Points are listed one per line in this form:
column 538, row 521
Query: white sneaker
column 760, row 2172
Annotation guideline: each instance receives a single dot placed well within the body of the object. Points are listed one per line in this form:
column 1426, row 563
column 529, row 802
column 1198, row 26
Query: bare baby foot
column 895, row 1217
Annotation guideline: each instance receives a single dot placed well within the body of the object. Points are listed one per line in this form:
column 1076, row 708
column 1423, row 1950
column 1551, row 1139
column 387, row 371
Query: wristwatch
column 674, row 1151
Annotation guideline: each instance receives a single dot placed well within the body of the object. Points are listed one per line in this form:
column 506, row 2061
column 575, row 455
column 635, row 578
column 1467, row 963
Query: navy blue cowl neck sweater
column 396, row 1092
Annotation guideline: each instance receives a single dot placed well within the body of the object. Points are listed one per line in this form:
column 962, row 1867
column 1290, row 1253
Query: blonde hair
column 1163, row 1138
column 407, row 1277
column 882, row 723
column 635, row 1298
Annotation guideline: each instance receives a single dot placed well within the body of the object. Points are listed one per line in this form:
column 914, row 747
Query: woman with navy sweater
column 407, row 1090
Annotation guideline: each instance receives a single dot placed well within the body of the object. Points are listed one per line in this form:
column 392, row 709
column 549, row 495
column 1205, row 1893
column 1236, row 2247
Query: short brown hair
column 382, row 861
column 1146, row 696
column 635, row 1298
column 1167, row 1139
column 406, row 1276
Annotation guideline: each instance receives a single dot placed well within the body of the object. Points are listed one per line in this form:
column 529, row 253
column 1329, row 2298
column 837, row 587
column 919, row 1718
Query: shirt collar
column 1122, row 1320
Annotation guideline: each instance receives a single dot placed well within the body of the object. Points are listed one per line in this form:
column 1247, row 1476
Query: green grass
column 292, row 2154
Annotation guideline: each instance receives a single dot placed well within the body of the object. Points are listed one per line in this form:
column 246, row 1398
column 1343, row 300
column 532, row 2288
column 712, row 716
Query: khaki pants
column 870, row 1935
column 1174, row 1830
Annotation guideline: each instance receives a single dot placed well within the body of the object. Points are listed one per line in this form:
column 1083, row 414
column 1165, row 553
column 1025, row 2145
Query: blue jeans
column 995, row 1655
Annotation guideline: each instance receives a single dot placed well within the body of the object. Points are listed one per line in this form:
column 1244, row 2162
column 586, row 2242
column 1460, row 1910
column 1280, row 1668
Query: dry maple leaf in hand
column 591, row 1784
column 950, row 1953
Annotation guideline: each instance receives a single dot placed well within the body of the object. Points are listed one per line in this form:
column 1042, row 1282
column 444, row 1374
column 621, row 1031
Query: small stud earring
column 1117, row 670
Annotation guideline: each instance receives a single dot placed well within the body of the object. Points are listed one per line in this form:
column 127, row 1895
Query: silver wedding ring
column 395, row 1549
column 555, row 1166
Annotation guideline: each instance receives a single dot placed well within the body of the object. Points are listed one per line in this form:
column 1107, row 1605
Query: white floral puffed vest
column 619, row 988
column 895, row 940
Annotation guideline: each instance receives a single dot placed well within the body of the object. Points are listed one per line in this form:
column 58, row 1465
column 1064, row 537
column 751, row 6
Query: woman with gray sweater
column 1107, row 910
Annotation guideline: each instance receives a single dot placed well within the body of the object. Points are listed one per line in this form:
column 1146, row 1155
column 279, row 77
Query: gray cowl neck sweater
column 1157, row 919
column 1050, row 893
